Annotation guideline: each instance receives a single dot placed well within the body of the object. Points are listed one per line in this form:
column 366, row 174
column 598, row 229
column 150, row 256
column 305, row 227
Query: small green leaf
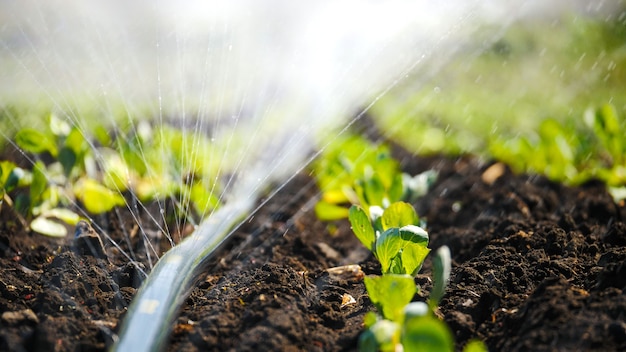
column 426, row 333
column 67, row 157
column 6, row 168
column 399, row 214
column 387, row 247
column 328, row 212
column 102, row 135
column 442, row 265
column 607, row 120
column 418, row 185
column 414, row 234
column 374, row 191
column 116, row 172
column 395, row 192
column 203, row 199
column 370, row 319
column 392, row 244
column 334, row 196
column 59, row 127
column 35, row 142
column 67, row 216
column 475, row 346
column 48, row 227
column 415, row 309
column 413, row 256
column 391, row 293
column 382, row 336
column 376, row 213
column 96, row 198
column 362, row 227
column 18, row 177
column 38, row 185
column 76, row 141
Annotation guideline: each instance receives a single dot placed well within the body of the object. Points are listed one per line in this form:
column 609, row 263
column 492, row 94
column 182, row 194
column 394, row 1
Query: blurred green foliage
column 74, row 169
column 545, row 98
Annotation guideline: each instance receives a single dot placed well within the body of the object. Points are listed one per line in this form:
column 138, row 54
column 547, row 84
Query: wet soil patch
column 537, row 266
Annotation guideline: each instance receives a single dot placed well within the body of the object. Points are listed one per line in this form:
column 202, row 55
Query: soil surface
column 537, row 266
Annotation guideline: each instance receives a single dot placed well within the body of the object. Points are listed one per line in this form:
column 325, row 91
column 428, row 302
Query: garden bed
column 536, row 266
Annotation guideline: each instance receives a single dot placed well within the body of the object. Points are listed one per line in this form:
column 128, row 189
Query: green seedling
column 353, row 170
column 442, row 265
column 393, row 237
column 406, row 325
column 390, row 294
column 571, row 152
column 69, row 169
column 401, row 246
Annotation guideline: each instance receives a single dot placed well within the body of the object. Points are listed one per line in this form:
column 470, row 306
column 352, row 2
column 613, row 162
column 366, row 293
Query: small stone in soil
column 17, row 317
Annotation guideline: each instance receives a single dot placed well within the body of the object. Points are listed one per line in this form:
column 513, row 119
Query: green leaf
column 362, row 227
column 390, row 243
column 370, row 319
column 475, row 346
column 102, row 135
column 67, row 157
column 375, row 215
column 607, row 120
column 426, row 333
column 415, row 309
column 73, row 151
column 6, row 169
column 328, row 212
column 442, row 265
column 76, row 141
column 413, row 256
column 418, row 185
column 390, row 293
column 38, row 184
column 67, row 216
column 22, row 204
column 35, row 142
column 399, row 214
column 395, row 192
column 203, row 199
column 334, row 196
column 414, row 234
column 96, row 198
column 374, row 191
column 59, row 127
column 387, row 246
column 48, row 227
column 117, row 175
column 18, row 178
column 384, row 336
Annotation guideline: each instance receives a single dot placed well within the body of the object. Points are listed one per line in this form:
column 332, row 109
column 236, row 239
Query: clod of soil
column 537, row 266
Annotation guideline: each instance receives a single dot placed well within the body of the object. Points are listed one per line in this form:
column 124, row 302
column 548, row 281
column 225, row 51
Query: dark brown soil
column 537, row 267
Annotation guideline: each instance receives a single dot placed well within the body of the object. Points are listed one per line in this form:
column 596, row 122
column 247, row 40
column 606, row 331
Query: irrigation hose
column 152, row 312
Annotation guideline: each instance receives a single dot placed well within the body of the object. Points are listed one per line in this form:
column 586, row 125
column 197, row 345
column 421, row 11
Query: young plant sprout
column 139, row 164
column 401, row 247
column 393, row 237
column 353, row 170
